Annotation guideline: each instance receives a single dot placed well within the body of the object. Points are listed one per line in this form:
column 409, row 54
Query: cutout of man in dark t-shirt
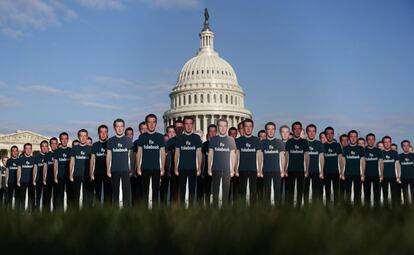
column 12, row 165
column 188, row 160
column 25, row 178
column 118, row 167
column 392, row 173
column 373, row 171
column 38, row 175
column 61, row 173
column 151, row 159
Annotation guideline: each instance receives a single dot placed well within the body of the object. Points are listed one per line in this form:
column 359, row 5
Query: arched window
column 215, row 98
column 189, row 99
column 195, row 98
column 202, row 98
column 227, row 99
column 184, row 101
column 231, row 99
column 208, row 98
column 221, row 98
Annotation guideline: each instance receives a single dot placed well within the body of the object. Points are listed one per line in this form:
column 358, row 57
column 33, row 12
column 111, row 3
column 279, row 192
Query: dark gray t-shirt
column 188, row 145
column 271, row 150
column 120, row 147
column 222, row 146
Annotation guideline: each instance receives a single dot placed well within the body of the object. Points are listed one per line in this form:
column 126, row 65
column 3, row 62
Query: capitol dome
column 207, row 89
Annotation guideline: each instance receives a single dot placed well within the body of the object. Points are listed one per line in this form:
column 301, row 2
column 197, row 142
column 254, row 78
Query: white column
column 204, row 125
column 197, row 122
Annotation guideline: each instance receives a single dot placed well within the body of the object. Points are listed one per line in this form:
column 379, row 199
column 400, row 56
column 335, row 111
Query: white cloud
column 102, row 4
column 19, row 16
column 6, row 101
column 173, row 3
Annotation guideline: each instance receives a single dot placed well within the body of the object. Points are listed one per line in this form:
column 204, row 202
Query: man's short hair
column 260, row 132
column 14, row 147
column 142, row 123
column 53, row 139
column 102, row 126
column 386, row 137
column 283, row 127
column 63, row 134
column 82, row 131
column 248, row 121
column 118, row 120
column 352, row 132
column 329, row 128
column 296, row 123
column 151, row 115
column 222, row 120
column 188, row 118
column 232, row 129
column 310, row 126
column 405, row 141
column 178, row 121
column 240, row 125
column 368, row 135
column 27, row 144
column 44, row 141
column 343, row 136
column 270, row 124
column 211, row 126
column 169, row 127
column 129, row 129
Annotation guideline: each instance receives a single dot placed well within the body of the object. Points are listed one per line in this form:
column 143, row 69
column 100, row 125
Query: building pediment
column 22, row 137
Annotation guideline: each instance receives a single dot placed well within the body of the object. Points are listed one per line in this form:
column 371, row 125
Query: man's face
column 262, row 136
column 387, row 143
column 248, row 128
column 233, row 133
column 119, row 128
column 394, row 147
column 64, row 139
column 44, row 148
column 344, row 141
column 53, row 145
column 14, row 152
column 311, row 133
column 406, row 147
column 28, row 150
column 322, row 138
column 222, row 126
column 179, row 127
column 329, row 133
column 380, row 146
column 171, row 133
column 270, row 131
column 241, row 130
column 297, row 130
column 83, row 137
column 129, row 133
column 143, row 128
column 284, row 133
column 371, row 141
column 103, row 134
column 188, row 125
column 151, row 124
column 353, row 138
column 212, row 132
column 361, row 142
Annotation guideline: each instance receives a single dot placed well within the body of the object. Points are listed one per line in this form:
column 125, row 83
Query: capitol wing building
column 207, row 89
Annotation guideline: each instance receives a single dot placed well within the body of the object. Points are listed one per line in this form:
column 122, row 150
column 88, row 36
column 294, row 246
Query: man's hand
column 34, row 183
column 18, row 184
column 381, row 178
column 92, row 177
column 139, row 171
column 56, row 180
column 198, row 172
column 209, row 172
column 71, row 178
column 231, row 173
column 109, row 175
column 399, row 180
column 176, row 171
column 342, row 177
column 306, row 174
column 162, row 171
column 362, row 178
column 44, row 183
column 321, row 176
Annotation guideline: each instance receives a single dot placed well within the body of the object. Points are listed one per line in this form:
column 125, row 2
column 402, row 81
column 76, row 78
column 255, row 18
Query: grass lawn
column 235, row 230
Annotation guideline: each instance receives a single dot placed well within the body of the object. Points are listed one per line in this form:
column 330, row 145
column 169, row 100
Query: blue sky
column 70, row 64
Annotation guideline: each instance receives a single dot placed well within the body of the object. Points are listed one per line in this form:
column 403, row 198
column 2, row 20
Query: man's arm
column 176, row 157
column 108, row 163
column 44, row 173
column 233, row 158
column 139, row 157
column 398, row 167
column 306, row 157
column 71, row 168
column 92, row 167
column 162, row 151
column 286, row 165
column 210, row 161
column 259, row 160
column 363, row 168
column 34, row 173
column 341, row 166
column 381, row 169
column 282, row 163
column 236, row 162
column 7, row 177
column 55, row 170
column 19, row 175
column 199, row 161
column 321, row 165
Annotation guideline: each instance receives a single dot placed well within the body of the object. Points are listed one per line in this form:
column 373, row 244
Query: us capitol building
column 207, row 88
